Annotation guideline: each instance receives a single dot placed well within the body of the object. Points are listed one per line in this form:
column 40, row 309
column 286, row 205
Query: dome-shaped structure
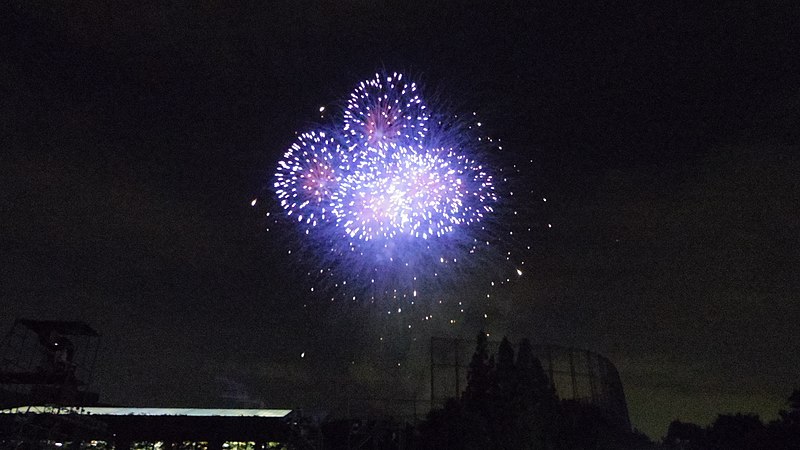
column 580, row 375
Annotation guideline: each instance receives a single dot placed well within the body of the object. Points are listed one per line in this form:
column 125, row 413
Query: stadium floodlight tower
column 48, row 362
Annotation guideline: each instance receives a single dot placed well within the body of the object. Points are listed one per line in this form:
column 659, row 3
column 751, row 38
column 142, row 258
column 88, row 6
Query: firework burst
column 413, row 194
column 307, row 177
column 394, row 205
column 385, row 110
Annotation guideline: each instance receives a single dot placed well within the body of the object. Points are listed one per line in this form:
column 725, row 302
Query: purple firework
column 385, row 110
column 307, row 177
column 418, row 194
column 388, row 204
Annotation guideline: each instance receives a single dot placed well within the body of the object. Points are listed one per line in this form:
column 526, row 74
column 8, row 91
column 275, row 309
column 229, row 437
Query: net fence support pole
column 572, row 374
column 433, row 395
column 458, row 367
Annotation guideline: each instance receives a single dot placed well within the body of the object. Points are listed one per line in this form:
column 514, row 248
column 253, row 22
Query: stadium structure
column 45, row 401
column 577, row 375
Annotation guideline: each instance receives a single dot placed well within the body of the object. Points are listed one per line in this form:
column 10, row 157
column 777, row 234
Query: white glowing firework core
column 376, row 179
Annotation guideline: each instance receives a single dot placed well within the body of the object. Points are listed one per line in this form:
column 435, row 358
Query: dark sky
column 665, row 138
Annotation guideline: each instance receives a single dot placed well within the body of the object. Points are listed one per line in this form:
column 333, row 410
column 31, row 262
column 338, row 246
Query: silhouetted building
column 48, row 362
column 139, row 428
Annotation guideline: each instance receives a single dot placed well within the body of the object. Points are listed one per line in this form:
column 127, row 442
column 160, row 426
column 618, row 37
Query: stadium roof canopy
column 131, row 411
column 65, row 328
column 124, row 425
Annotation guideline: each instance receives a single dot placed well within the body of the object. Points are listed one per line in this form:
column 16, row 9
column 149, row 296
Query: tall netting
column 578, row 375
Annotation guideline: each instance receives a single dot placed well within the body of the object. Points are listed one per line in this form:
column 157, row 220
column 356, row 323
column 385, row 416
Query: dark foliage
column 478, row 376
column 794, row 401
column 685, row 435
column 740, row 431
column 453, row 427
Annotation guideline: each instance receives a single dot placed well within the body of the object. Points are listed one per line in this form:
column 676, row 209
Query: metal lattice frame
column 578, row 375
column 46, row 361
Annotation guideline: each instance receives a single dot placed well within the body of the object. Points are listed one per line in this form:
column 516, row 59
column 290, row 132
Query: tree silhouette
column 454, row 427
column 514, row 397
column 478, row 376
column 794, row 401
column 740, row 431
column 540, row 414
column 535, row 386
column 685, row 435
column 504, row 405
column 785, row 433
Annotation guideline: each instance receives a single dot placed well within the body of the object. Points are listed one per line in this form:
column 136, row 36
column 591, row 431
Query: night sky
column 664, row 138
